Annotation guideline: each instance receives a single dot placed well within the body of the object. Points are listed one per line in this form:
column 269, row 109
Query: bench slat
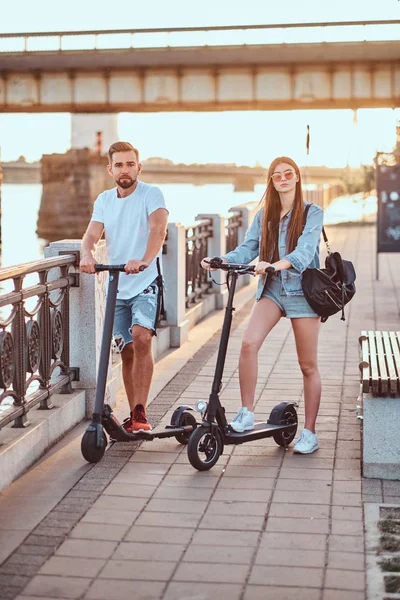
column 373, row 362
column 390, row 363
column 395, row 339
column 364, row 364
column 383, row 374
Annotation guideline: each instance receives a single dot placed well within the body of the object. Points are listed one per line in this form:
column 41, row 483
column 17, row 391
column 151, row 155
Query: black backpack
column 328, row 290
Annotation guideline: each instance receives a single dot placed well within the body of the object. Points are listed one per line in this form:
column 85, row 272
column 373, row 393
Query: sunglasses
column 289, row 174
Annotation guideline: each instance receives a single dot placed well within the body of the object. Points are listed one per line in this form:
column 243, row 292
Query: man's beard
column 125, row 182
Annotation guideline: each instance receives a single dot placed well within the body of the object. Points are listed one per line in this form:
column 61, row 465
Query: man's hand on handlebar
column 261, row 268
column 205, row 263
column 134, row 266
column 87, row 264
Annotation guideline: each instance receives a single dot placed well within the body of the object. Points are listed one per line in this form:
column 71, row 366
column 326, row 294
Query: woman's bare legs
column 264, row 317
column 306, row 336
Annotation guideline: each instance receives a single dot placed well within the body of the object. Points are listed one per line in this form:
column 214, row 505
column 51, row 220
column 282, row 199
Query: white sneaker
column 244, row 421
column 307, row 442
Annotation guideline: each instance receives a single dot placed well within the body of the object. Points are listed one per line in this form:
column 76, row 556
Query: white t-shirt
column 127, row 228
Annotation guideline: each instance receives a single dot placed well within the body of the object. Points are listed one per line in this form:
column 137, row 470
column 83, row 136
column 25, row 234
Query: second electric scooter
column 94, row 440
column 206, row 443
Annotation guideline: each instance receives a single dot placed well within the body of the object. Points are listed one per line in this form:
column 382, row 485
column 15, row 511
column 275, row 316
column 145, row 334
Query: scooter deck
column 120, row 435
column 261, row 430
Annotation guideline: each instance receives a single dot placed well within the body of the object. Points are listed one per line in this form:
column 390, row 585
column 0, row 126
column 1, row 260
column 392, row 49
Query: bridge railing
column 34, row 336
column 237, row 35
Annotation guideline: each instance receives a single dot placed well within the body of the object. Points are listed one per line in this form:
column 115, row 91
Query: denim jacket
column 306, row 253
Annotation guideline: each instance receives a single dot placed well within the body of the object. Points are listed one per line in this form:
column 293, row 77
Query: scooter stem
column 106, row 345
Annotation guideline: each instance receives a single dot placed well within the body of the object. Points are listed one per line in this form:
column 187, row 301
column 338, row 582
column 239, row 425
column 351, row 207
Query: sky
column 239, row 137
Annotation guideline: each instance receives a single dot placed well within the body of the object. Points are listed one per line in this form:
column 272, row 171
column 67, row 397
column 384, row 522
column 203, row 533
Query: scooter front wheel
column 204, row 448
column 89, row 448
column 186, row 418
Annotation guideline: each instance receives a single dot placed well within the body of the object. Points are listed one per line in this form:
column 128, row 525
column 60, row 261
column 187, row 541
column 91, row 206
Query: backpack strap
column 307, row 208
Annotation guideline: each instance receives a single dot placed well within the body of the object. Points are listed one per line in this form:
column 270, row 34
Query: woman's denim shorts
column 292, row 307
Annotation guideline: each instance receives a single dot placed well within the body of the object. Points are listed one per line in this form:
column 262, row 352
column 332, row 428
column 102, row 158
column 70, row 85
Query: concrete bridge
column 161, row 170
column 263, row 67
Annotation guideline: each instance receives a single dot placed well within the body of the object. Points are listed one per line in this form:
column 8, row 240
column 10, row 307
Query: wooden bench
column 380, row 391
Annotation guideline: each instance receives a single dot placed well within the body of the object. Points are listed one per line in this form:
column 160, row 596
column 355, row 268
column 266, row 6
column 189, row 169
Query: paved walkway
column 263, row 523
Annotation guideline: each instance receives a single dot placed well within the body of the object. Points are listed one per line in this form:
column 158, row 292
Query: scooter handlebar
column 216, row 263
column 100, row 267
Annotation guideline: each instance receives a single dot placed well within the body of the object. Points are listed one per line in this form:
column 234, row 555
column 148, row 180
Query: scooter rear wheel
column 289, row 417
column 186, row 418
column 90, row 451
column 204, row 448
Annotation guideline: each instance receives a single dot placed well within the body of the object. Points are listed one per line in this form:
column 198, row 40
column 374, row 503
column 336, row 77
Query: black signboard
column 388, row 222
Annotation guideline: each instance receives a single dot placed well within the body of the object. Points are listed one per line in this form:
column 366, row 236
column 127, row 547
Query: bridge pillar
column 85, row 127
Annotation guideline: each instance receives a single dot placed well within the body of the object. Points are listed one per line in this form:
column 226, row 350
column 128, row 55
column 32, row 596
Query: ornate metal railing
column 197, row 281
column 232, row 229
column 34, row 341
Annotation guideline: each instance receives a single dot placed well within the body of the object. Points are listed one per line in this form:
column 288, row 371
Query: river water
column 20, row 206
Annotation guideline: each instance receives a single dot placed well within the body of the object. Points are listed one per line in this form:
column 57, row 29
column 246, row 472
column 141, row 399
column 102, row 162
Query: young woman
column 280, row 238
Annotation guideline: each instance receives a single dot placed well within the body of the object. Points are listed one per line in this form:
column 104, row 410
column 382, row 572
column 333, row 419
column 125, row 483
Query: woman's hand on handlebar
column 205, row 263
column 261, row 268
column 134, row 266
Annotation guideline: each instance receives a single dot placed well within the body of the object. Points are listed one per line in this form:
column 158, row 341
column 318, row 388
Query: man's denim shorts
column 292, row 307
column 139, row 310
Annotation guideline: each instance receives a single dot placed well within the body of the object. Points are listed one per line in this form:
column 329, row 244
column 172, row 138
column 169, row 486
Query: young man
column 134, row 218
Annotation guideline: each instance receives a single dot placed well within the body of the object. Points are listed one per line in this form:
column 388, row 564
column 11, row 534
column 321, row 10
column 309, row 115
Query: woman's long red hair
column 272, row 212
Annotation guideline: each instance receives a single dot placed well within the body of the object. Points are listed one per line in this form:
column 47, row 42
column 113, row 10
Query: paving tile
column 202, row 591
column 214, row 572
column 237, row 522
column 182, row 493
column 105, row 589
column 297, row 525
column 57, row 587
column 86, row 549
column 346, row 543
column 292, row 473
column 285, row 556
column 342, row 527
column 253, row 472
column 129, row 490
column 345, row 580
column 262, row 592
column 321, row 497
column 65, row 566
column 111, row 517
column 233, row 507
column 118, row 503
column 347, row 513
column 237, row 483
column 149, row 551
column 190, row 481
column 286, row 576
column 176, row 506
column 301, row 511
column 137, row 570
column 303, row 485
column 340, row 499
column 172, row 520
column 210, row 537
column 351, row 561
column 96, row 531
column 294, row 541
column 241, row 555
column 342, row 595
column 160, row 534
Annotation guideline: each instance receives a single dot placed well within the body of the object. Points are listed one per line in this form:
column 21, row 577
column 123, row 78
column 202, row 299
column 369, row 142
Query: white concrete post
column 84, row 128
column 87, row 307
column 174, row 268
column 217, row 247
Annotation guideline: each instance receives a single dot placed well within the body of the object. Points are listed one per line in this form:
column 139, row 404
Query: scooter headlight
column 201, row 406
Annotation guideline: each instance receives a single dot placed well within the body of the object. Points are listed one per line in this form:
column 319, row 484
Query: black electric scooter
column 206, row 443
column 94, row 440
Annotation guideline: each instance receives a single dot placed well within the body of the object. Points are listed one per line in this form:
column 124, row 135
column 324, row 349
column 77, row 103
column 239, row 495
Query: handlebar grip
column 270, row 270
column 142, row 268
column 100, row 267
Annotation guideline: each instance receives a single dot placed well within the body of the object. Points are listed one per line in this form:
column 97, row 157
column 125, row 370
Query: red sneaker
column 137, row 421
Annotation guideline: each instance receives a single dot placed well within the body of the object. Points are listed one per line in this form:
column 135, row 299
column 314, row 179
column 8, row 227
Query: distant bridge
column 158, row 171
column 260, row 67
